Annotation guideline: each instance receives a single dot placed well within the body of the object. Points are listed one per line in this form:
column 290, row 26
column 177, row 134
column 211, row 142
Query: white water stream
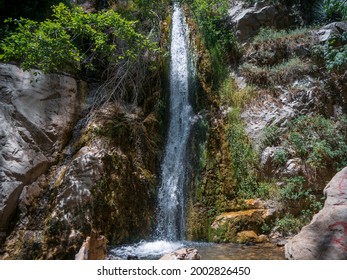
column 171, row 197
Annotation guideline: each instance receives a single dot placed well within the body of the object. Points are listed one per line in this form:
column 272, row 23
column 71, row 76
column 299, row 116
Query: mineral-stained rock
column 227, row 225
column 250, row 236
column 182, row 254
column 37, row 113
column 326, row 236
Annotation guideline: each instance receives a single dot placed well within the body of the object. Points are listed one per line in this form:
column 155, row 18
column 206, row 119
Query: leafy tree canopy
column 73, row 39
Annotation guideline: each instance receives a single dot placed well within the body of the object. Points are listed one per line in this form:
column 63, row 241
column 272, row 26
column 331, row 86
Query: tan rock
column 93, row 248
column 251, row 215
column 250, row 236
column 247, row 236
column 326, row 236
column 182, row 254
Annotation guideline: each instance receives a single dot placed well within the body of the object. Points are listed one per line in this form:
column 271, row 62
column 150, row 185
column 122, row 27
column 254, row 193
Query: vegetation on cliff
column 231, row 169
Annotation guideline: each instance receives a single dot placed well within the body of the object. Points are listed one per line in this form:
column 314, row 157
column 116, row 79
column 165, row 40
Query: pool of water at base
column 208, row 251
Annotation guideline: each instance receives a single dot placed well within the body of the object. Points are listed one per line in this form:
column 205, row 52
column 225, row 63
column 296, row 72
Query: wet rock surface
column 326, row 236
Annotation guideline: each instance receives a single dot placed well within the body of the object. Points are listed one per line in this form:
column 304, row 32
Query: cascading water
column 170, row 230
column 171, row 197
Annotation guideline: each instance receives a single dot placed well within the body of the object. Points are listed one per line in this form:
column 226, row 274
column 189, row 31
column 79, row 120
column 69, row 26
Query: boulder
column 331, row 30
column 267, row 161
column 182, row 254
column 326, row 236
column 248, row 21
column 228, row 225
column 248, row 236
column 37, row 114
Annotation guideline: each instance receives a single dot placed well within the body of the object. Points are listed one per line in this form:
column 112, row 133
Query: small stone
column 93, row 248
column 182, row 254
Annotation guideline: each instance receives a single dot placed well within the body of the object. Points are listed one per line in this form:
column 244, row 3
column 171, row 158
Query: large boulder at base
column 326, row 236
column 37, row 114
column 248, row 21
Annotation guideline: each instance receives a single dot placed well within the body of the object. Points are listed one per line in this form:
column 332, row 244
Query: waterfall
column 171, row 197
column 170, row 231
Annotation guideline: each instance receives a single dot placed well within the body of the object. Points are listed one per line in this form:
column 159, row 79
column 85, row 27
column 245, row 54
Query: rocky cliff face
column 63, row 174
column 247, row 21
column 37, row 115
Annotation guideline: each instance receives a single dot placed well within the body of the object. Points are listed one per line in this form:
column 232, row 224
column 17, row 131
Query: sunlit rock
column 248, row 21
column 250, row 236
column 326, row 236
column 227, row 225
column 182, row 254
column 37, row 113
column 331, row 30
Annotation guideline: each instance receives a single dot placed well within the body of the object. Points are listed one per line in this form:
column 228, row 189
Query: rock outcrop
column 248, row 21
column 242, row 225
column 37, row 114
column 326, row 236
column 94, row 185
column 331, row 30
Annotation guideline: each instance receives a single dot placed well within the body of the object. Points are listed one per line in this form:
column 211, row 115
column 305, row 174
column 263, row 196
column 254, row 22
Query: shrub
column 335, row 9
column 298, row 203
column 288, row 225
column 280, row 156
column 218, row 37
column 269, row 35
column 72, row 38
column 335, row 53
column 278, row 74
column 244, row 158
column 271, row 136
column 293, row 189
column 320, row 141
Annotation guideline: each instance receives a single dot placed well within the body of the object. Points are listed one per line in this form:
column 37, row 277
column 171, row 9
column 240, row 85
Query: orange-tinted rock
column 250, row 236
